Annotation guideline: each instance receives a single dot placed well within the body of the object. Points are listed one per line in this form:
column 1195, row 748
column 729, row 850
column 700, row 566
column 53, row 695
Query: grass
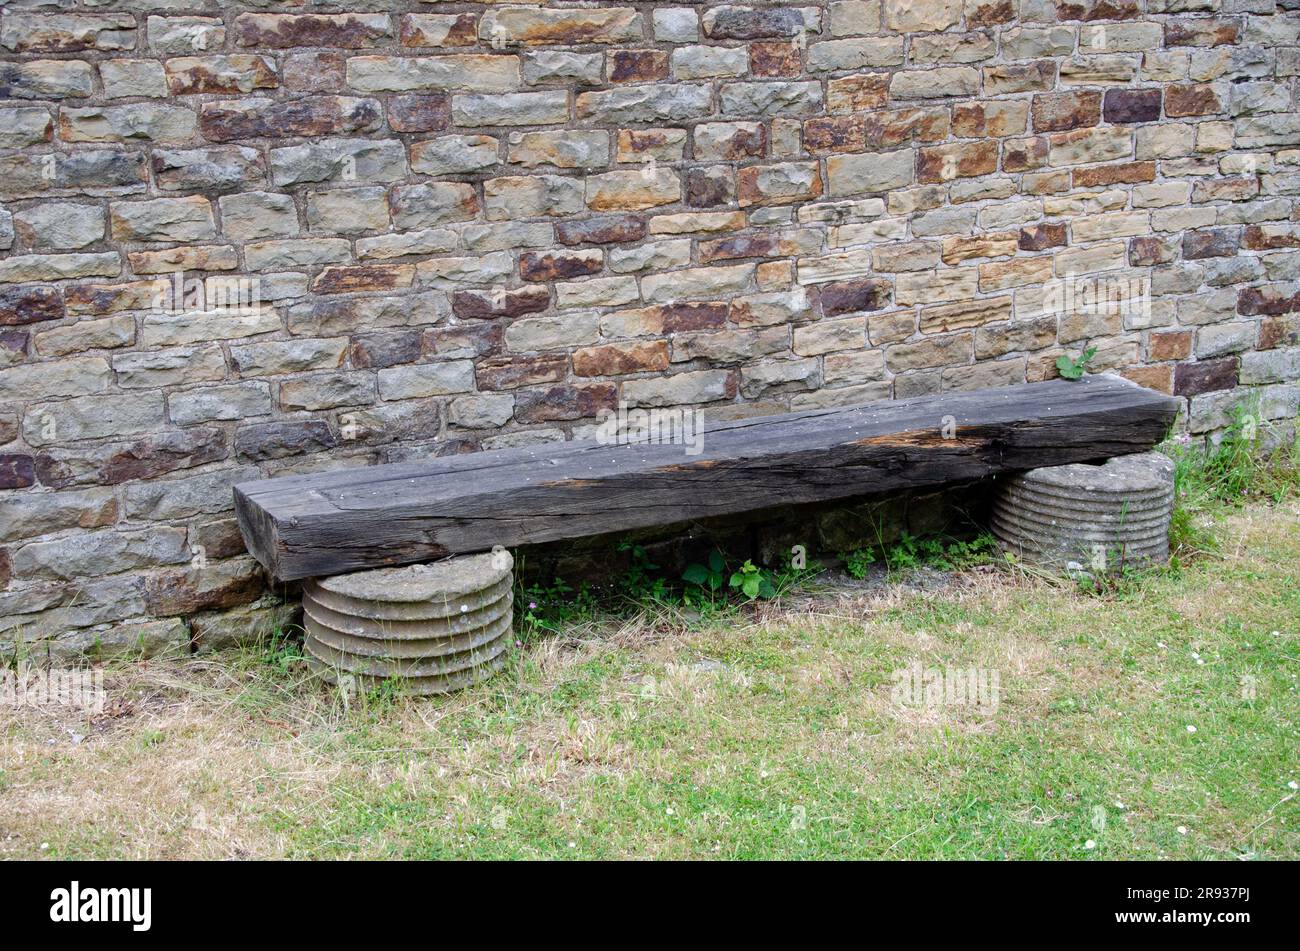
column 766, row 729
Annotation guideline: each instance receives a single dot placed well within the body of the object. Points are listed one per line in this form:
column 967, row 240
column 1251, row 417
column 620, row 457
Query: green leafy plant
column 858, row 562
column 549, row 606
column 1072, row 369
column 710, row 576
column 752, row 581
column 640, row 581
column 910, row 552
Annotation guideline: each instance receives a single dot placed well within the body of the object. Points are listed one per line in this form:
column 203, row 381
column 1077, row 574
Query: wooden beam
column 335, row 522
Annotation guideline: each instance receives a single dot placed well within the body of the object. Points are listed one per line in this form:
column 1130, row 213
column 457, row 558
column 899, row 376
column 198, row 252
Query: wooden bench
column 335, row 522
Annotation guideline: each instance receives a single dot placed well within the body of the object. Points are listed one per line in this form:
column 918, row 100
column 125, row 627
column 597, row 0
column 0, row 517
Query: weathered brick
column 67, row 33
column 1192, row 100
column 283, row 31
column 534, row 266
column 311, row 116
column 941, row 163
column 190, row 75
column 1132, row 105
column 619, row 359
column 1061, row 111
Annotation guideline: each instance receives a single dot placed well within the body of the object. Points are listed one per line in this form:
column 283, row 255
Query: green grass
column 749, row 730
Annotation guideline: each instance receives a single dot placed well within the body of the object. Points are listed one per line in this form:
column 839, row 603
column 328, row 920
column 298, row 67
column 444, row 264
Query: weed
column 858, row 562
column 910, row 553
column 1072, row 369
column 752, row 581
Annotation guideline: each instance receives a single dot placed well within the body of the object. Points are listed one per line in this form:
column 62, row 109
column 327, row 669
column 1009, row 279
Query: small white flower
column 1190, row 728
column 1196, row 655
column 1118, row 804
column 1160, row 644
column 1277, row 633
column 1182, row 830
column 464, row 608
column 670, row 811
column 1090, row 844
column 1199, row 662
column 573, row 845
column 44, row 846
column 1293, row 785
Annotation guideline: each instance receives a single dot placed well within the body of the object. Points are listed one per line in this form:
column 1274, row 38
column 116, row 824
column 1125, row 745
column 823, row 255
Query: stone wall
column 469, row 226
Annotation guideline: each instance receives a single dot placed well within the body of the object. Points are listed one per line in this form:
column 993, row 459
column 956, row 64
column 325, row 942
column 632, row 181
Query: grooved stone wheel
column 435, row 627
column 1099, row 517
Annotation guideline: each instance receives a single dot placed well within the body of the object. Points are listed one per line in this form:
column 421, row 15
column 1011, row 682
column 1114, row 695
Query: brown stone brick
column 1061, row 111
column 1017, row 272
column 900, row 126
column 501, row 302
column 852, row 297
column 17, row 471
column 857, row 93
column 386, row 349
column 29, row 304
column 1191, row 100
column 835, row 134
column 617, row 359
column 464, row 340
column 750, row 23
column 1043, row 236
column 779, row 184
column 1144, row 252
column 710, row 187
column 564, row 402
column 508, row 372
column 315, row 71
column 419, row 113
column 543, row 266
column 638, row 66
column 1205, row 376
column 1019, row 77
column 619, row 229
column 439, row 30
column 1270, row 237
column 968, row 247
column 1019, row 155
column 740, row 247
column 1171, row 345
column 364, row 277
column 1210, row 243
column 230, row 75
column 1160, row 379
column 1132, row 105
column 309, row 116
column 1279, row 331
column 989, row 119
column 1271, row 299
column 281, row 439
column 1090, row 10
column 1204, row 33
column 965, row 314
column 981, row 13
column 638, row 145
column 775, row 58
column 282, row 31
column 942, row 163
column 1124, row 173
